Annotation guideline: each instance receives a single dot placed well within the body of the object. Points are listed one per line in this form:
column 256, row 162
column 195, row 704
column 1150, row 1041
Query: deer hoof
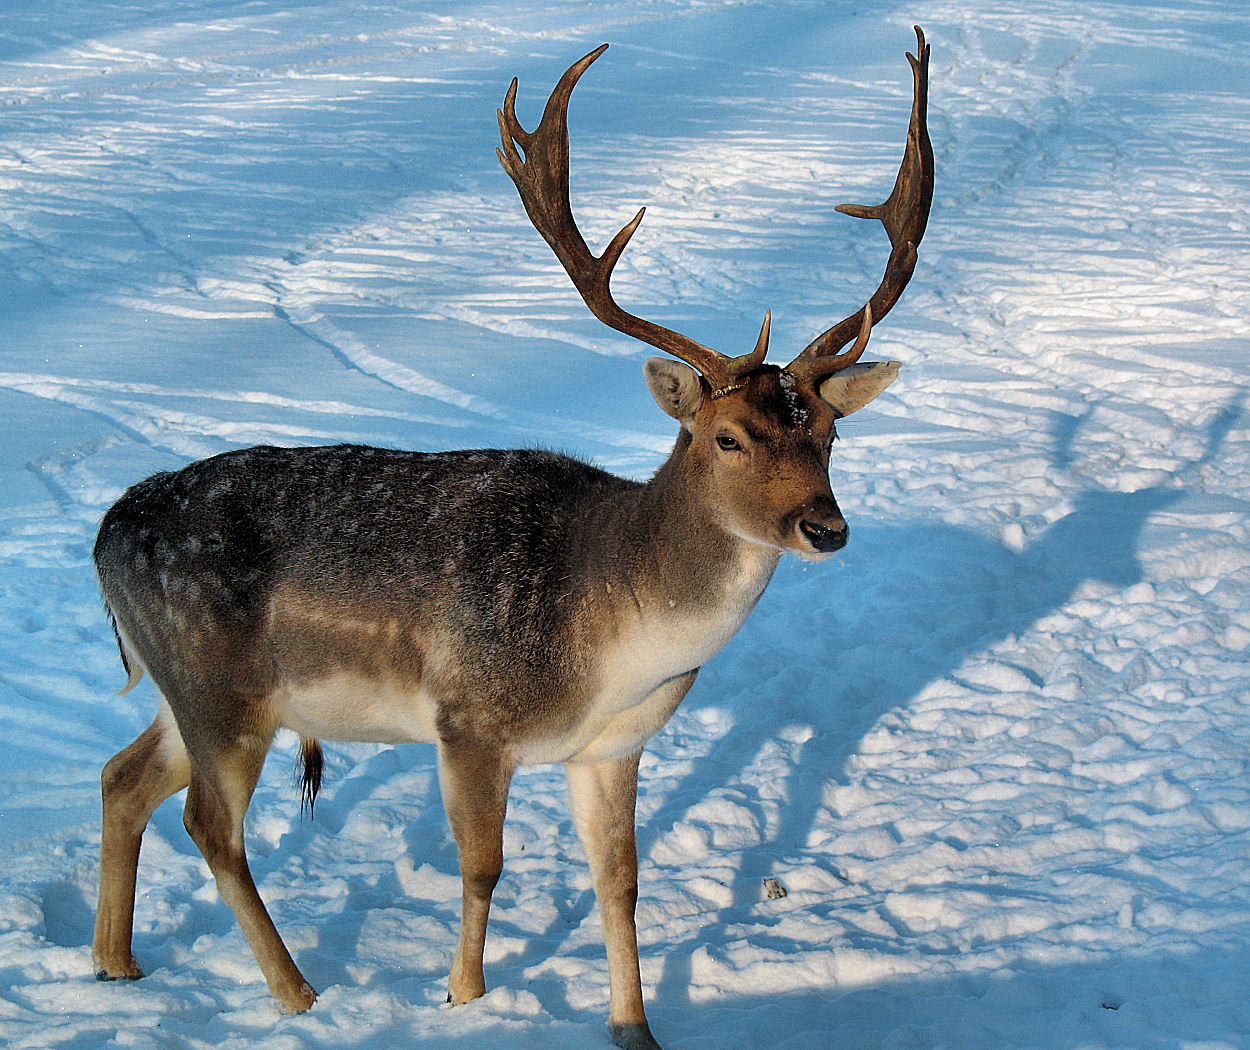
column 296, row 1003
column 130, row 971
column 104, row 975
column 461, row 990
column 635, row 1036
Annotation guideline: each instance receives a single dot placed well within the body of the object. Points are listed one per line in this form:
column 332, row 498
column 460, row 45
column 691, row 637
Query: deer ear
column 855, row 386
column 675, row 387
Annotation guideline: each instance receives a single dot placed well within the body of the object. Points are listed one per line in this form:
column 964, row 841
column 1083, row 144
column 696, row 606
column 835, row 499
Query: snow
column 996, row 750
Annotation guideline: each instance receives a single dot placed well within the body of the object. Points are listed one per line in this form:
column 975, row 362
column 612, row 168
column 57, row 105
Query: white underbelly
column 346, row 707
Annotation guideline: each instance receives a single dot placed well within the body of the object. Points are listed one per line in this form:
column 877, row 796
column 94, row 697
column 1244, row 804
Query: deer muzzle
column 825, row 537
column 820, row 527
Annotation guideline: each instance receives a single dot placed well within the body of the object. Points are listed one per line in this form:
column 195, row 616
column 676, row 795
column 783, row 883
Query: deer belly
column 345, row 707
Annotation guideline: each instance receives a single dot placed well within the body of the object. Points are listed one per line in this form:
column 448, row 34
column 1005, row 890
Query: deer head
column 757, row 435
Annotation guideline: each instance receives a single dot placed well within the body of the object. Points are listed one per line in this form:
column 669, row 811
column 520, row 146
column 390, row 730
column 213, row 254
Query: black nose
column 825, row 538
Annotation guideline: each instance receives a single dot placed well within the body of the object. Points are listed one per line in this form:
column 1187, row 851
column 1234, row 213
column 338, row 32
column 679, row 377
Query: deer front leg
column 603, row 796
column 474, row 780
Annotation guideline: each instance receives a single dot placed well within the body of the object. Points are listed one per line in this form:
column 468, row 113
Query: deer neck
column 674, row 566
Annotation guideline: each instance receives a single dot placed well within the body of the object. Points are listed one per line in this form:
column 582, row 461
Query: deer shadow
column 911, row 604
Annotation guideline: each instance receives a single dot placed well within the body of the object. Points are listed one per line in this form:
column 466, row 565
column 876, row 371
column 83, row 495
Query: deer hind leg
column 474, row 782
column 135, row 781
column 222, row 782
column 603, row 795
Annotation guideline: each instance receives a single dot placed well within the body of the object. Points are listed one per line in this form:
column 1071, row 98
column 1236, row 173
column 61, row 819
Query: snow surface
column 996, row 750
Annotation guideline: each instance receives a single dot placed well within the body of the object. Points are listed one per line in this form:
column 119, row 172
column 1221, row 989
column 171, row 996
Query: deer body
column 398, row 597
column 510, row 608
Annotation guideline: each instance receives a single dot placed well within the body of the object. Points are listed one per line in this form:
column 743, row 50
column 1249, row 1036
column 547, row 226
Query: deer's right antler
column 542, row 179
column 904, row 214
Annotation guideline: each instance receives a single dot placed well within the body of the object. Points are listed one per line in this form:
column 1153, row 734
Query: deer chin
column 810, row 554
column 807, row 553
column 791, row 541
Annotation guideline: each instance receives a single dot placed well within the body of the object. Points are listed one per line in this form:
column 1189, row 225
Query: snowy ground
column 997, row 750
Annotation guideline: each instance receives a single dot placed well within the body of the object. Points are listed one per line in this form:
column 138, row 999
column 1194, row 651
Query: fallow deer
column 508, row 607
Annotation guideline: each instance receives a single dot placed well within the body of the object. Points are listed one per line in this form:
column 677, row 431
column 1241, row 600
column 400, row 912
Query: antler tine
column 904, row 214
column 541, row 176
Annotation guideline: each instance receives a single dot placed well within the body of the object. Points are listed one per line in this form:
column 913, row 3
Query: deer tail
column 311, row 764
column 133, row 668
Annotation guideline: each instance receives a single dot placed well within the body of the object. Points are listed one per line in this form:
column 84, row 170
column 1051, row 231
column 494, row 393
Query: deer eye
column 727, row 444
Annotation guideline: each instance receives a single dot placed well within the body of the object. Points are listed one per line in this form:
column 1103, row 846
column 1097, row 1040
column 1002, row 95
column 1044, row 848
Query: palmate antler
column 904, row 214
column 540, row 169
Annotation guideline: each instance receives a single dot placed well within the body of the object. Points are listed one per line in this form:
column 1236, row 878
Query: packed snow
column 995, row 751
